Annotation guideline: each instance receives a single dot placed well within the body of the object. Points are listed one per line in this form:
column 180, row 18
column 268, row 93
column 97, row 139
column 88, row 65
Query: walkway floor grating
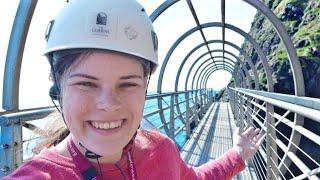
column 212, row 138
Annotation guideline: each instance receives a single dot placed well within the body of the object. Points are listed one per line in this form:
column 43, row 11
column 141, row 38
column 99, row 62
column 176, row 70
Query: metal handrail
column 305, row 160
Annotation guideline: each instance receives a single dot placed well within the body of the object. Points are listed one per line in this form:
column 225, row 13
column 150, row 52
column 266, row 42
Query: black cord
column 124, row 177
column 99, row 167
column 58, row 89
column 55, row 105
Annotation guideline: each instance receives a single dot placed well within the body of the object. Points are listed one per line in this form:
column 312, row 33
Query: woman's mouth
column 107, row 125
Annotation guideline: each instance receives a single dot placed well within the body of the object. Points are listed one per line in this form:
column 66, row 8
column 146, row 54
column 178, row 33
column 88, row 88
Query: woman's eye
column 86, row 84
column 127, row 85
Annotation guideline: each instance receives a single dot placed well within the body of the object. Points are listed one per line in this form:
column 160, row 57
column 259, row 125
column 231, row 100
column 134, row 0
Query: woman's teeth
column 106, row 125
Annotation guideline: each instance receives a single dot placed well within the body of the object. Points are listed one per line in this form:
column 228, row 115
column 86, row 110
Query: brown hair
column 60, row 62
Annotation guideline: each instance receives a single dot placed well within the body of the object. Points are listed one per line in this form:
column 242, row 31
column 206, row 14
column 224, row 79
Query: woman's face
column 103, row 96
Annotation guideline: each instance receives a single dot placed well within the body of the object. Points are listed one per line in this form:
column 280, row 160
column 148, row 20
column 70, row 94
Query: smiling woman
column 101, row 60
column 102, row 108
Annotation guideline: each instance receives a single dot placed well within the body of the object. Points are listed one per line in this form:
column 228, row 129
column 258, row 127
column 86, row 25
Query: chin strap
column 90, row 154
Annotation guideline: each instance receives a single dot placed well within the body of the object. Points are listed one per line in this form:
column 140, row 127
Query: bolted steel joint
column 5, row 146
column 5, row 169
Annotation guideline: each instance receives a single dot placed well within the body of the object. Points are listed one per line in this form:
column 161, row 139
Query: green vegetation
column 313, row 28
column 281, row 55
column 280, row 7
column 304, row 29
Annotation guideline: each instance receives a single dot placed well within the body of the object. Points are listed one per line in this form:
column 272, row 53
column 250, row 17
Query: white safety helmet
column 116, row 25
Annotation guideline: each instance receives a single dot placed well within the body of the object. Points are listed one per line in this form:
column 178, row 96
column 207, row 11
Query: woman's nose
column 109, row 100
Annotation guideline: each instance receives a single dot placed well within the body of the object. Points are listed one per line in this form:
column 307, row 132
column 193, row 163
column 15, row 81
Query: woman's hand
column 248, row 142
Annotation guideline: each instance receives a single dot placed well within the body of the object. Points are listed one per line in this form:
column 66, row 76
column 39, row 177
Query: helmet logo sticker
column 101, row 18
column 154, row 41
column 130, row 33
column 99, row 24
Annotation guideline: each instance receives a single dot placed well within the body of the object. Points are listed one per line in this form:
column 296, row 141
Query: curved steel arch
column 204, row 72
column 292, row 54
column 294, row 62
column 242, row 76
column 242, row 52
column 178, row 107
column 218, row 70
column 260, row 53
column 11, row 79
column 218, row 24
column 192, row 85
column 180, row 67
column 277, row 24
column 231, row 65
column 235, row 77
column 248, row 37
column 205, row 81
column 246, row 71
column 165, row 5
column 204, row 77
column 229, row 68
column 217, row 41
column 296, row 73
column 214, row 68
column 205, row 69
column 217, row 61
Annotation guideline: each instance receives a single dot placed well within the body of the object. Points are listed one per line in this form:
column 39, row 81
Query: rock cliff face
column 302, row 21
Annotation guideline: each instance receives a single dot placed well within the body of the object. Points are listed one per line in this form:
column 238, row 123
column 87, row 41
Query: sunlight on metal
column 10, row 98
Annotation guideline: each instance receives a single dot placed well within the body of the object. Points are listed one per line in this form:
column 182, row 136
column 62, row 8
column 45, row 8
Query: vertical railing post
column 201, row 102
column 206, row 99
column 187, row 116
column 249, row 110
column 212, row 96
column 195, row 114
column 249, row 121
column 207, row 96
column 203, row 106
column 236, row 105
column 242, row 110
column 271, row 133
column 11, row 148
column 198, row 106
column 233, row 100
column 171, row 123
column 194, row 110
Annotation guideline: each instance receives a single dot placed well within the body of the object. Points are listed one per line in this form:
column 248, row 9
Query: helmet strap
column 148, row 82
column 55, row 81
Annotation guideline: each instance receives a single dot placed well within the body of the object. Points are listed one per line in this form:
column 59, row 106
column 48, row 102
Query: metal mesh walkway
column 212, row 138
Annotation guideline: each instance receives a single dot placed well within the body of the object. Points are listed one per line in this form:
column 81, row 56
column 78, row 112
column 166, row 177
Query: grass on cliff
column 299, row 3
column 310, row 31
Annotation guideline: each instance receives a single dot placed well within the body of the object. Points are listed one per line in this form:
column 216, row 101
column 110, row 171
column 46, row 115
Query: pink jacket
column 155, row 157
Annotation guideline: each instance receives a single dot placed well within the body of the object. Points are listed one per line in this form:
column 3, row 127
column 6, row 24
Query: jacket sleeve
column 225, row 167
column 28, row 171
